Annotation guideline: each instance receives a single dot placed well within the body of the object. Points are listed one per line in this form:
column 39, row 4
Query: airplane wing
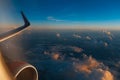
column 11, row 33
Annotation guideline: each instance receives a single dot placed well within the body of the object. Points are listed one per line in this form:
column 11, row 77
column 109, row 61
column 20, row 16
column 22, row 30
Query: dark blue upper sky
column 69, row 12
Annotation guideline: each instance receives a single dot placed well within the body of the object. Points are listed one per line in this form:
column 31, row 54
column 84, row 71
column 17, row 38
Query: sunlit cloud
column 73, row 68
column 76, row 49
column 93, row 69
column 55, row 56
column 101, row 74
column 107, row 32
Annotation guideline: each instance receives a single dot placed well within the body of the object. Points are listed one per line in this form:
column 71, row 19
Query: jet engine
column 23, row 71
column 17, row 70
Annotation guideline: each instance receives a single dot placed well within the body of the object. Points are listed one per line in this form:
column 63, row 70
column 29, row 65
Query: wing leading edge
column 11, row 33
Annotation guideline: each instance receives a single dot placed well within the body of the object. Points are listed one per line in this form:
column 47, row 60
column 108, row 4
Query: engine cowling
column 17, row 70
column 23, row 71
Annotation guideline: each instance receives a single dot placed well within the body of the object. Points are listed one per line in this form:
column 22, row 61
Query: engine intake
column 23, row 71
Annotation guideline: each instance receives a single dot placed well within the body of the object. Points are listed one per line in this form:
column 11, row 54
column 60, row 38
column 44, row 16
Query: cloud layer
column 59, row 66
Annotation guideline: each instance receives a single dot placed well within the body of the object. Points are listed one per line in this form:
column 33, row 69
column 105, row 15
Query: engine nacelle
column 17, row 70
column 23, row 71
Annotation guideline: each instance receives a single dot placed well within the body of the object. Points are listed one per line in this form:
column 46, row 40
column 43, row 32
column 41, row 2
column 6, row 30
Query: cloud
column 93, row 70
column 54, row 19
column 108, row 34
column 76, row 36
column 110, row 37
column 101, row 74
column 105, row 44
column 74, row 69
column 56, row 56
column 58, row 35
column 88, row 37
column 87, row 65
column 76, row 49
column 55, row 63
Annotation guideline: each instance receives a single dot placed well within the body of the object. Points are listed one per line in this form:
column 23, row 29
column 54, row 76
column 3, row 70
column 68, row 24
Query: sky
column 63, row 13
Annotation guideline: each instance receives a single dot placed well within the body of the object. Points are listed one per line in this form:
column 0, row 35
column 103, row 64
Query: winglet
column 11, row 33
column 26, row 22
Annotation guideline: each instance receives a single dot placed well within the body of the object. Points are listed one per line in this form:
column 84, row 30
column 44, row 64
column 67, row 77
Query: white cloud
column 58, row 35
column 53, row 19
column 88, row 37
column 76, row 36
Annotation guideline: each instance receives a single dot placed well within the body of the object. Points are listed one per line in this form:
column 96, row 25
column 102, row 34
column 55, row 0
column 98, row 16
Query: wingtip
column 27, row 23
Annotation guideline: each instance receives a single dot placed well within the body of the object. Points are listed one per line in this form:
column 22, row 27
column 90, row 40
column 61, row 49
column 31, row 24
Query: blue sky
column 67, row 12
